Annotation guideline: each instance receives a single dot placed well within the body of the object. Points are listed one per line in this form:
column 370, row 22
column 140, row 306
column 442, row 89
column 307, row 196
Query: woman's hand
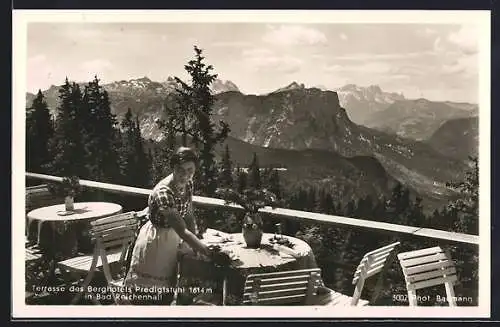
column 218, row 257
column 206, row 251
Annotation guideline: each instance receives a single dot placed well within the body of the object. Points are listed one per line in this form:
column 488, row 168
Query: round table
column 268, row 258
column 83, row 212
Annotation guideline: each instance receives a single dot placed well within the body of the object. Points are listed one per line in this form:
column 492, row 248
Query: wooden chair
column 36, row 197
column 33, row 261
column 288, row 287
column 426, row 268
column 186, row 270
column 40, row 196
column 37, row 268
column 112, row 237
column 374, row 262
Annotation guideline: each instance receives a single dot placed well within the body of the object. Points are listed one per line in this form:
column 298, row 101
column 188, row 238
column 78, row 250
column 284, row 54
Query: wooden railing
column 375, row 226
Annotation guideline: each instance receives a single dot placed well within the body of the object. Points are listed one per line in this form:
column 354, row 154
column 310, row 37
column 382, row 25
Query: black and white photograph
column 273, row 164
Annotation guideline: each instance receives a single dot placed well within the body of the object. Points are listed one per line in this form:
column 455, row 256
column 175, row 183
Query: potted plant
column 69, row 188
column 251, row 200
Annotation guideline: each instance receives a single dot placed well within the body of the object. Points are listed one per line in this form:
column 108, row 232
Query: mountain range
column 294, row 123
column 417, row 119
column 457, row 138
column 362, row 102
column 345, row 178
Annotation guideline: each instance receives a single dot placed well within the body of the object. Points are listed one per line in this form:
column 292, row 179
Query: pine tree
column 312, row 203
column 102, row 155
column 67, row 144
column 380, row 210
column 254, row 173
column 142, row 162
column 178, row 117
column 364, row 208
column 136, row 164
column 152, row 171
column 198, row 100
column 350, row 209
column 274, row 184
column 417, row 216
column 399, row 205
column 242, row 182
column 127, row 150
column 226, row 170
column 302, row 200
column 39, row 131
column 326, row 202
column 467, row 207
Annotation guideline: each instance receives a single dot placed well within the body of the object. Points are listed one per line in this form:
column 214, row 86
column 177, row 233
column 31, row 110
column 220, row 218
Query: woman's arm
column 177, row 223
column 190, row 220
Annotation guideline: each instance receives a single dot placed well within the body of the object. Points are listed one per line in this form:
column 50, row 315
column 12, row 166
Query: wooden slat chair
column 289, row 287
column 426, row 268
column 32, row 256
column 207, row 299
column 374, row 262
column 112, row 237
column 39, row 196
column 33, row 262
column 35, row 267
column 36, row 197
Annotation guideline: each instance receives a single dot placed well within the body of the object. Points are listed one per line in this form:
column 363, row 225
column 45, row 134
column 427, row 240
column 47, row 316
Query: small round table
column 268, row 258
column 83, row 212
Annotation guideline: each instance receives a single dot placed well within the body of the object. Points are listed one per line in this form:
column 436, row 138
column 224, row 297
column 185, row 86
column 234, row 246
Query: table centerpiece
column 251, row 200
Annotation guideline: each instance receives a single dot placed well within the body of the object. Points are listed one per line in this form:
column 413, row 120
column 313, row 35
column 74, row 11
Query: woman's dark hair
column 182, row 155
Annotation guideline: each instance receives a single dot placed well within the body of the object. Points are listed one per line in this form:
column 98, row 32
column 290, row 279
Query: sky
column 435, row 61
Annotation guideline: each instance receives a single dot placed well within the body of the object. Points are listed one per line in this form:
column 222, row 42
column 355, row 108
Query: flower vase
column 252, row 231
column 69, row 203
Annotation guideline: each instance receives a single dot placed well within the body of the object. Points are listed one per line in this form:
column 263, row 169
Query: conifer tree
column 312, row 203
column 152, row 173
column 274, row 184
column 142, row 162
column 198, row 100
column 241, row 179
column 178, row 118
column 136, row 166
column 67, row 144
column 326, row 202
column 102, row 155
column 226, row 169
column 301, row 202
column 350, row 209
column 417, row 216
column 467, row 207
column 39, row 131
column 399, row 205
column 254, row 173
column 127, row 153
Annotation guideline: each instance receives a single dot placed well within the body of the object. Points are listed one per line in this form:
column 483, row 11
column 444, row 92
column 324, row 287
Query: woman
column 171, row 221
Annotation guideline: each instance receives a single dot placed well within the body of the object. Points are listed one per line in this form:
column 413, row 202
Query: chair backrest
column 113, row 234
column 288, row 287
column 39, row 196
column 372, row 263
column 426, row 268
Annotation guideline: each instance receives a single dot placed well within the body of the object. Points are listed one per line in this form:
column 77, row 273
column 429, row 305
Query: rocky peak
column 374, row 89
column 220, row 86
column 290, row 87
